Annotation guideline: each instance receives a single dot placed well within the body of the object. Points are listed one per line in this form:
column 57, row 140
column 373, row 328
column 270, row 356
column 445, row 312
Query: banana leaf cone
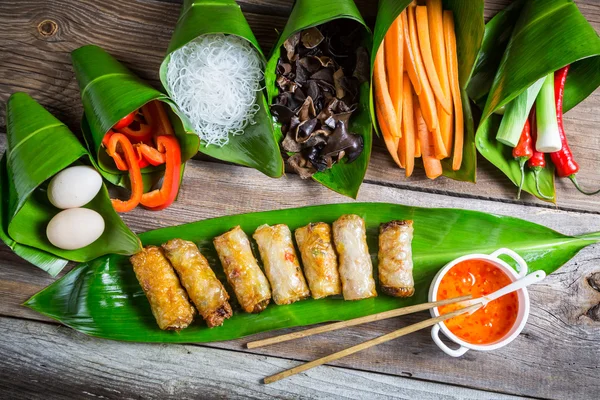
column 39, row 147
column 109, row 92
column 470, row 26
column 107, row 301
column 256, row 147
column 523, row 43
column 344, row 178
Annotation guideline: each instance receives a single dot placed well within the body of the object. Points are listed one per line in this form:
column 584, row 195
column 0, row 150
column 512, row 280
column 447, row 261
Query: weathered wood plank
column 40, row 65
column 559, row 323
column 564, row 322
column 40, row 361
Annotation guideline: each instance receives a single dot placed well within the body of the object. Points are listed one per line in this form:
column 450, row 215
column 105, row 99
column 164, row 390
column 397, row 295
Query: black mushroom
column 319, row 76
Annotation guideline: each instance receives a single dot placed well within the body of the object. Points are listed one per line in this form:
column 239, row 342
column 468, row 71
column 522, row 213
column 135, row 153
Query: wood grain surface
column 65, row 365
column 39, row 35
column 559, row 346
column 556, row 356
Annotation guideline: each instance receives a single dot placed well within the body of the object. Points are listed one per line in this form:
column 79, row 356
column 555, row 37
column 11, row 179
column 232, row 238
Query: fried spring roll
column 243, row 273
column 395, row 258
column 319, row 260
column 205, row 290
column 168, row 301
column 356, row 269
column 281, row 263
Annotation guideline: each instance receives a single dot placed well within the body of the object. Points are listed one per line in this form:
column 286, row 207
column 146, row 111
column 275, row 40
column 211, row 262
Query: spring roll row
column 336, row 261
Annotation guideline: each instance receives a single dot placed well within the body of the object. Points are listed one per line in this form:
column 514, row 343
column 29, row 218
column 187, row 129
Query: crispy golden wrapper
column 319, row 259
column 243, row 273
column 281, row 263
column 356, row 268
column 168, row 301
column 395, row 258
column 205, row 290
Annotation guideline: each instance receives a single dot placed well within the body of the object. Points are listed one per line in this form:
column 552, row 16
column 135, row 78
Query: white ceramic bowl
column 522, row 294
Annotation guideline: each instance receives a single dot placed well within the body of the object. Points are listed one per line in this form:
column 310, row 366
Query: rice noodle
column 214, row 80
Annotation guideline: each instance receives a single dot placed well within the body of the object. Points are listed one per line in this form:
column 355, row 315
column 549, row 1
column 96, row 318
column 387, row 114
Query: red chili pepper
column 125, row 121
column 120, row 143
column 165, row 196
column 566, row 166
column 523, row 152
column 537, row 162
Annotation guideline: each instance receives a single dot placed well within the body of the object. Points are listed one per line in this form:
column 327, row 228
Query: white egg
column 74, row 187
column 75, row 228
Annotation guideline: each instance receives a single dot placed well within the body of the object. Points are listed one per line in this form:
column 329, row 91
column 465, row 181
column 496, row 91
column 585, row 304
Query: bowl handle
column 435, row 335
column 519, row 260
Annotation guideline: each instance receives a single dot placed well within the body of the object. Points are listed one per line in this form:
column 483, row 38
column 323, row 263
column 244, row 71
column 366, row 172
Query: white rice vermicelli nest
column 214, row 80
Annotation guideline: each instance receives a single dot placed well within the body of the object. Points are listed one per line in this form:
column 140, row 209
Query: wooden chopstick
column 356, row 321
column 370, row 343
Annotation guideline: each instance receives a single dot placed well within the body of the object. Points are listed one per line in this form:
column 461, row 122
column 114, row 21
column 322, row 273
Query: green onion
column 516, row 113
column 548, row 137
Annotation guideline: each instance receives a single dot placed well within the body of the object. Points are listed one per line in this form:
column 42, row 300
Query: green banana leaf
column 109, row 91
column 344, row 178
column 544, row 36
column 103, row 298
column 469, row 22
column 257, row 147
column 40, row 146
column 43, row 260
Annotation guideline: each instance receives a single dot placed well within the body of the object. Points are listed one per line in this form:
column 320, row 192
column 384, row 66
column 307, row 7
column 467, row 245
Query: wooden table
column 556, row 356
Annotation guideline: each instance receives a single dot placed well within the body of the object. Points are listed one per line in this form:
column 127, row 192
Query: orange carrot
column 438, row 48
column 446, row 129
column 391, row 142
column 409, row 56
column 394, row 49
column 408, row 127
column 417, row 147
column 433, row 166
column 427, row 56
column 451, row 56
column 426, row 98
column 438, row 143
column 382, row 94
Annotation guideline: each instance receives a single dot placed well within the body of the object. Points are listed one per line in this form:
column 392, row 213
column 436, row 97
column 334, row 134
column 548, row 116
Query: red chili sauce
column 479, row 278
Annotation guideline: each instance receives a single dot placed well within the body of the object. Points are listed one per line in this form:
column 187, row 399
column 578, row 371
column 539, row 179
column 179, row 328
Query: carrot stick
column 438, row 144
column 451, row 56
column 408, row 127
column 382, row 94
column 433, row 166
column 446, row 129
column 409, row 56
column 394, row 50
column 391, row 142
column 425, row 46
column 426, row 98
column 438, row 47
column 417, row 147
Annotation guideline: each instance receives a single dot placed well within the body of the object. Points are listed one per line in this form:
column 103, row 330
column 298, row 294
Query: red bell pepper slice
column 165, row 196
column 119, row 162
column 116, row 156
column 138, row 131
column 149, row 154
column 120, row 143
column 125, row 121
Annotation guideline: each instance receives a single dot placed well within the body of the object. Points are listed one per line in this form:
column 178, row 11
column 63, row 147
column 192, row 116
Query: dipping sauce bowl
column 493, row 326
